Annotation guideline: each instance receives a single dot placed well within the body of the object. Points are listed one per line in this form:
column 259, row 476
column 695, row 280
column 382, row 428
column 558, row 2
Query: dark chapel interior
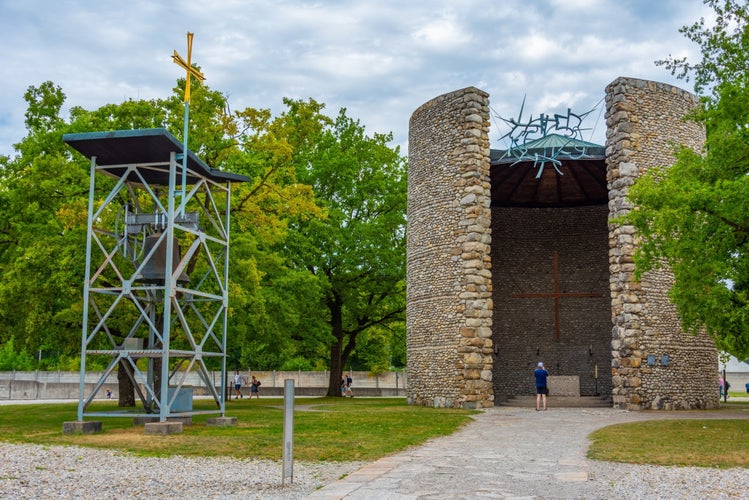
column 550, row 265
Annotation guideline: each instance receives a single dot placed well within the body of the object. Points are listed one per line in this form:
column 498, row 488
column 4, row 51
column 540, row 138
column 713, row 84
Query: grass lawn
column 720, row 443
column 325, row 429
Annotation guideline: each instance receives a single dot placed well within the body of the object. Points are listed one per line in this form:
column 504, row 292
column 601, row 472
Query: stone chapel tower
column 467, row 346
column 449, row 306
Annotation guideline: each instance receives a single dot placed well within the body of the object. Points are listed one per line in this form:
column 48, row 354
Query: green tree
column 694, row 216
column 42, row 222
column 357, row 253
column 10, row 359
column 305, row 280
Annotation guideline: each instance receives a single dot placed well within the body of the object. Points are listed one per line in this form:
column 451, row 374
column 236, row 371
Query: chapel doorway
column 550, row 266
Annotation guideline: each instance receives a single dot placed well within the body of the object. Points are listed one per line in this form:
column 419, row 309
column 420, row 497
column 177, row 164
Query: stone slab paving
column 506, row 452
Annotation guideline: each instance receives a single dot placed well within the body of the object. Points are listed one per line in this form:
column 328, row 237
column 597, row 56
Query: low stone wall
column 65, row 385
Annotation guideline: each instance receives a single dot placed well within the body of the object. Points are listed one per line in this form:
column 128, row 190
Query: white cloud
column 441, row 35
column 379, row 59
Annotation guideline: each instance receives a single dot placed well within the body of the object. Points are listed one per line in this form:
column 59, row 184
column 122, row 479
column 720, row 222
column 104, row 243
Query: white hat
column 540, row 364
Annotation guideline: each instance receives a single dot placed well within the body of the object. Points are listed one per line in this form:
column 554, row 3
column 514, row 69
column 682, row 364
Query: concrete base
column 563, row 385
column 163, row 428
column 78, row 427
column 221, row 422
column 155, row 418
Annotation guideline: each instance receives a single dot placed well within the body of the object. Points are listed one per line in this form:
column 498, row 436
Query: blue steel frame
column 195, row 314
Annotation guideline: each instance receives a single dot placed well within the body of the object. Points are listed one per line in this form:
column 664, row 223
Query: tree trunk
column 337, row 359
column 336, row 368
column 125, row 389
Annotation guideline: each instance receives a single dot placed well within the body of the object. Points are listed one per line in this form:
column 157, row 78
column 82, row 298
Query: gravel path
column 30, row 471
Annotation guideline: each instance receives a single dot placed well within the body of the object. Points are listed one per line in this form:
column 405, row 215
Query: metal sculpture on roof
column 529, row 139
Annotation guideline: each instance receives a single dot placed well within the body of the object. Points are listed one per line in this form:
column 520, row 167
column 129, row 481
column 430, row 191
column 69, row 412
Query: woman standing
column 254, row 387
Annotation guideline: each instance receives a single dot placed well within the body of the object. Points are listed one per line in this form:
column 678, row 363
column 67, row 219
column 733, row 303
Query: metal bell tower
column 157, row 268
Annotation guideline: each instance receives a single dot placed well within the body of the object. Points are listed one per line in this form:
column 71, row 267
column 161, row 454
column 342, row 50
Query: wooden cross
column 556, row 295
column 188, row 66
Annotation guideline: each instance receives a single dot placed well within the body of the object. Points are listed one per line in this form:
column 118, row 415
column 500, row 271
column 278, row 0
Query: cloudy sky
column 380, row 59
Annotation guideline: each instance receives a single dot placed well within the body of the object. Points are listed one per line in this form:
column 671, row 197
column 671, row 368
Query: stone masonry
column 644, row 123
column 523, row 243
column 456, row 340
column 449, row 308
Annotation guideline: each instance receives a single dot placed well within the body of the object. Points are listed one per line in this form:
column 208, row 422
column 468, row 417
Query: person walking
column 541, row 389
column 726, row 386
column 237, row 385
column 254, row 387
column 348, row 392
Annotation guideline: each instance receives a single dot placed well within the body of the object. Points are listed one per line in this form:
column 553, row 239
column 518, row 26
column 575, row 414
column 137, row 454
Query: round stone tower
column 449, row 308
column 655, row 365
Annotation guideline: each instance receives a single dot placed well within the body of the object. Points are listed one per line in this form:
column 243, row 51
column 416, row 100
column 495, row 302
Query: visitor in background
column 343, row 385
column 541, row 390
column 720, row 385
column 348, row 392
column 237, row 385
column 254, row 387
column 726, row 386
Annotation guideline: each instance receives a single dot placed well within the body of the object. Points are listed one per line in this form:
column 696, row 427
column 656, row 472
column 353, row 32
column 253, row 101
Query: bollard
column 288, row 431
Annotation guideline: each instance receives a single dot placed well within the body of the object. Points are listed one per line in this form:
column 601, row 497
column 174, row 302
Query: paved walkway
column 507, row 453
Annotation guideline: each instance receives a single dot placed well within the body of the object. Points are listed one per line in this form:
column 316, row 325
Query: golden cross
column 187, row 66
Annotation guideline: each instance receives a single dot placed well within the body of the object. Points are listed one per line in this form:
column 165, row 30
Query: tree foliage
column 357, row 253
column 694, row 215
column 11, row 359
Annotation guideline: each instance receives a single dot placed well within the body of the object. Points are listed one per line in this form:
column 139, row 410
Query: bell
column 153, row 271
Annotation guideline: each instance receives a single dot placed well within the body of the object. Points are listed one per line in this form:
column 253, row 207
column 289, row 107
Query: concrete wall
column 65, row 385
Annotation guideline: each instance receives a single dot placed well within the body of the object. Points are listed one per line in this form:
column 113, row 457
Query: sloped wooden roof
column 116, row 150
column 554, row 171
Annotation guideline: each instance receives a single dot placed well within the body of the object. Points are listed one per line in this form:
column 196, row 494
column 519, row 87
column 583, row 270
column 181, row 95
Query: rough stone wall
column 644, row 121
column 523, row 243
column 449, row 306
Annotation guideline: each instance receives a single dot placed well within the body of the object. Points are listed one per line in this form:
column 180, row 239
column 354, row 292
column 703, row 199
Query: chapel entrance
column 550, row 265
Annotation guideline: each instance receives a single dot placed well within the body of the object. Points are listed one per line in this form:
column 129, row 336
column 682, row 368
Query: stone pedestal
column 563, row 385
column 155, row 418
column 79, row 427
column 221, row 422
column 163, row 428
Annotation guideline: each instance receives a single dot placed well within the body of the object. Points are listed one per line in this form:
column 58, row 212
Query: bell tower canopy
column 116, row 150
